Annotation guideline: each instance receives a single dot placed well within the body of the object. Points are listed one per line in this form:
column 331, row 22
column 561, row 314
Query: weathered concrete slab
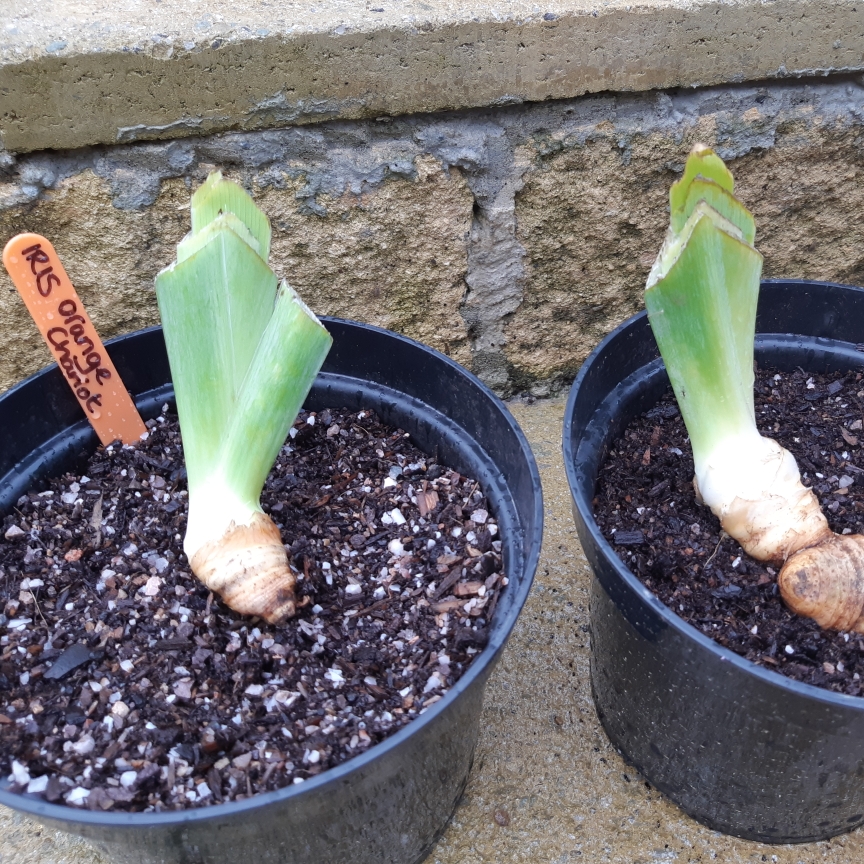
column 547, row 785
column 82, row 72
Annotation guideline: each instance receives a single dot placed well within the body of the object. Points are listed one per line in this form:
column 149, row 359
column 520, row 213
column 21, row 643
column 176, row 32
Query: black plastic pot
column 742, row 749
column 391, row 803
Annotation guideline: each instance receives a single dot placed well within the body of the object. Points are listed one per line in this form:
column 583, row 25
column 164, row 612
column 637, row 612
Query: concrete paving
column 80, row 72
column 547, row 787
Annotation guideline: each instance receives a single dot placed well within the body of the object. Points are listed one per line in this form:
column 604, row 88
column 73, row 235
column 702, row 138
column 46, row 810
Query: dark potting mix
column 126, row 685
column 646, row 507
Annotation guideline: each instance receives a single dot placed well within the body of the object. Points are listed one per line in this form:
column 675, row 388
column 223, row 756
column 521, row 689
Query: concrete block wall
column 489, row 178
column 512, row 238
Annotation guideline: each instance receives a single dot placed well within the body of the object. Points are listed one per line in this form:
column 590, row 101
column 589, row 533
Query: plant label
column 59, row 314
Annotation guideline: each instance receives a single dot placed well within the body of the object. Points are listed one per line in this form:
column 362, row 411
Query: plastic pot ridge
column 742, row 749
column 390, row 804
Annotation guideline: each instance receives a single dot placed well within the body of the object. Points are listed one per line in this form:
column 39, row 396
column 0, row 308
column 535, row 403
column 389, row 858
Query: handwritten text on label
column 36, row 256
column 69, row 362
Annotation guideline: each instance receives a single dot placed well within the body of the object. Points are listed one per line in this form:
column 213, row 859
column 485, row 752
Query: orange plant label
column 65, row 325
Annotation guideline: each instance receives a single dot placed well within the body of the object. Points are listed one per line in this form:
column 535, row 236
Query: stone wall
column 512, row 238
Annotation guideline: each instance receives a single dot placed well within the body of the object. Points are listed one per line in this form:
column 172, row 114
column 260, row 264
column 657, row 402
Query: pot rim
column 636, row 588
column 481, row 664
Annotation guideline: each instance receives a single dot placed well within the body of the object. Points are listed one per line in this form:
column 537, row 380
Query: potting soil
column 126, row 685
column 646, row 507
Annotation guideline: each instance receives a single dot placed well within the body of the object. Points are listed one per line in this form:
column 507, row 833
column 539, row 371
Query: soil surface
column 126, row 685
column 646, row 506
